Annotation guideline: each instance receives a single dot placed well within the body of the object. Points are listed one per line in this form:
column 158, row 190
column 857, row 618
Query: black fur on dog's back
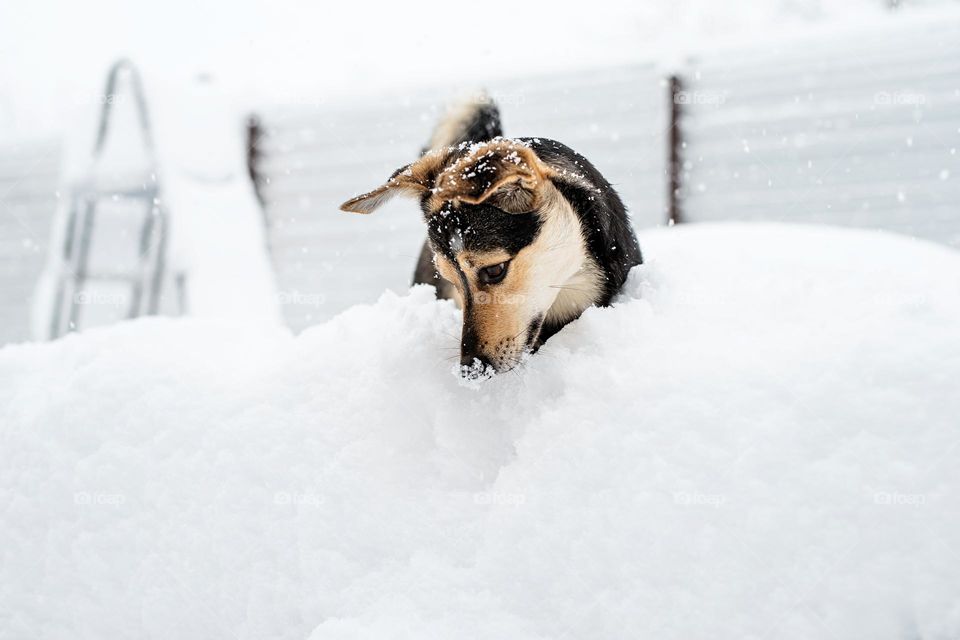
column 483, row 123
column 603, row 216
column 476, row 120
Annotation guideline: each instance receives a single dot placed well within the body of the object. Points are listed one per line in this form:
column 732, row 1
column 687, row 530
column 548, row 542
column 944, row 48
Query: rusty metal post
column 254, row 154
column 676, row 95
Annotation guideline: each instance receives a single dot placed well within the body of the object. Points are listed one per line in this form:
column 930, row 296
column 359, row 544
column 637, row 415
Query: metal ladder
column 141, row 279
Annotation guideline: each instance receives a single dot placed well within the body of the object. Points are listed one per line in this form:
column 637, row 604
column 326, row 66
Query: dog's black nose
column 467, row 360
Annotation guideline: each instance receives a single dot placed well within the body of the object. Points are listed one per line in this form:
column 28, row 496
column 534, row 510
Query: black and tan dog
column 523, row 233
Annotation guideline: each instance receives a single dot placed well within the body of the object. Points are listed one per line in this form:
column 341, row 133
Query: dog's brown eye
column 494, row 274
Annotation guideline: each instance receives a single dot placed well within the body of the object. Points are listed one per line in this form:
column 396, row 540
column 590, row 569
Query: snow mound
column 760, row 440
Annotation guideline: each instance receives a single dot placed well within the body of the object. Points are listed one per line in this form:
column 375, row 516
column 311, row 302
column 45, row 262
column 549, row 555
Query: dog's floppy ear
column 401, row 182
column 413, row 180
column 503, row 173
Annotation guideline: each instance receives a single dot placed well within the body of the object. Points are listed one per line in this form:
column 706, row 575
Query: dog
column 523, row 233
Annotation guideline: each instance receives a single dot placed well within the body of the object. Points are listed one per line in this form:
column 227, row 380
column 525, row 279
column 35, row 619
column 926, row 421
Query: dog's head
column 506, row 238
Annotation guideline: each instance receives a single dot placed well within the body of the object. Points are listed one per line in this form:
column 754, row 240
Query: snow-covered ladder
column 77, row 281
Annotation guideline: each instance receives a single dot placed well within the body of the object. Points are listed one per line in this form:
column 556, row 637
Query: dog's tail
column 476, row 119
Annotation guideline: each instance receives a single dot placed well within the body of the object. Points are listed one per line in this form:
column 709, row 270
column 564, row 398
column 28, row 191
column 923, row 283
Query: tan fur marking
column 488, row 169
column 449, row 275
column 504, row 171
column 553, row 276
column 446, row 270
column 478, row 259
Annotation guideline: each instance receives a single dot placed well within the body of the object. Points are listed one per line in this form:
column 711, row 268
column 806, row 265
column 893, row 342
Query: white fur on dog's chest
column 578, row 293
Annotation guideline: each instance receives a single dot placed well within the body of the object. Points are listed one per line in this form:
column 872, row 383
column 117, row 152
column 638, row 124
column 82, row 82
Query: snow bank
column 760, row 440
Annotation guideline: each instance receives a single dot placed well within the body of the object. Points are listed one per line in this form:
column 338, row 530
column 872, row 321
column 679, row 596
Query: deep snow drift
column 760, row 440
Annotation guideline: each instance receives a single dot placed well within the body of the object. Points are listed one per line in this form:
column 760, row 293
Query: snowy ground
column 760, row 440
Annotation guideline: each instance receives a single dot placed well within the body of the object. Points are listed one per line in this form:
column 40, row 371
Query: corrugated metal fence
column 856, row 131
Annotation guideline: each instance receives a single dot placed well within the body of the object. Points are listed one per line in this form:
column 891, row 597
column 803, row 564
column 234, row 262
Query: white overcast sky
column 53, row 53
